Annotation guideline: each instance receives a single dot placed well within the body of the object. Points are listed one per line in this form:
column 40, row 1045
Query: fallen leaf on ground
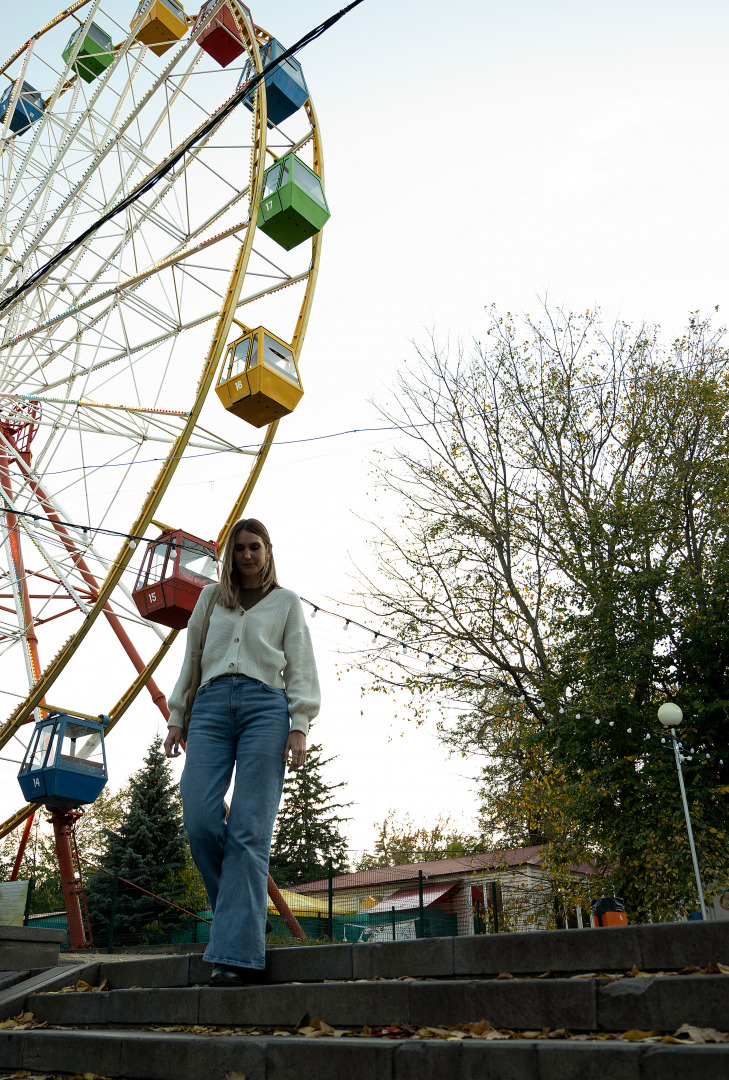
column 547, row 975
column 504, row 975
column 480, row 1027
column 700, row 1035
column 634, row 1034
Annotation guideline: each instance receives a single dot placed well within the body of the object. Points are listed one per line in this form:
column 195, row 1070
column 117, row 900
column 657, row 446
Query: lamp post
column 670, row 715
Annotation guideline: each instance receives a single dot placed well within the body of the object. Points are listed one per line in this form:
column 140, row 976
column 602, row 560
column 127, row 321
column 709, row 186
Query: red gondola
column 175, row 569
column 221, row 37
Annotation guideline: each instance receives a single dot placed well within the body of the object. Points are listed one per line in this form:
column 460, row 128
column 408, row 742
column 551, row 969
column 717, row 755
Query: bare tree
column 560, row 558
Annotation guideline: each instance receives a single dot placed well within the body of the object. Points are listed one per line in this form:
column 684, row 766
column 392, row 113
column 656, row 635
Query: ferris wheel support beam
column 154, row 498
column 20, row 584
column 21, row 847
column 80, row 563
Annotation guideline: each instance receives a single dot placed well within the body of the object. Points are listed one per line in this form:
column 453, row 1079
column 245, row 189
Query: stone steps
column 146, row 1055
column 440, row 982
column 581, row 1005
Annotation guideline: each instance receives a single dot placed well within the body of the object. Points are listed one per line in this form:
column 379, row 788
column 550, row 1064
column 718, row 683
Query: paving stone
column 532, row 1003
column 36, row 935
column 435, row 1003
column 664, row 1002
column 613, row 948
column 177, row 1056
column 13, row 1000
column 199, row 971
column 677, row 945
column 69, row 1051
column 337, row 1004
column 329, row 1059
column 421, row 959
column 11, row 978
column 11, row 1050
column 16, row 955
column 154, row 1006
column 157, row 971
column 588, row 1061
column 500, row 1060
column 70, row 1008
column 427, row 1061
column 309, row 963
column 685, row 1062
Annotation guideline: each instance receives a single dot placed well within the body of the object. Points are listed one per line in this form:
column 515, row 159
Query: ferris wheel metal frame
column 40, row 343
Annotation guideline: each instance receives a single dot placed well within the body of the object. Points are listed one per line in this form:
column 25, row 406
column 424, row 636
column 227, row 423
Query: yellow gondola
column 164, row 25
column 259, row 381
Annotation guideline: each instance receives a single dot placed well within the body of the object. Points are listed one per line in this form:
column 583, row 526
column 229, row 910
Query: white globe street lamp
column 670, row 715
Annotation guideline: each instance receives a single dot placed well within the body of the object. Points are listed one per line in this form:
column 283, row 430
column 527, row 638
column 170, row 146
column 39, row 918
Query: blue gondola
column 286, row 89
column 65, row 763
column 28, row 108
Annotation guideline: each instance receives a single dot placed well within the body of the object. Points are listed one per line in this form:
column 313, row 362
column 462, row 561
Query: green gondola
column 293, row 204
column 94, row 56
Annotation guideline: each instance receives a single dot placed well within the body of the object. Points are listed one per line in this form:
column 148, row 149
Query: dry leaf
column 588, row 975
column 504, row 975
column 701, row 1035
column 235, row 1076
column 634, row 1034
column 481, row 1027
column 723, row 969
column 547, row 975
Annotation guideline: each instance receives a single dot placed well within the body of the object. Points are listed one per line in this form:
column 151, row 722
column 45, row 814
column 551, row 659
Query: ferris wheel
column 170, row 336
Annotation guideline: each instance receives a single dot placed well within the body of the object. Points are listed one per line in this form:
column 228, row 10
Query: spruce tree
column 307, row 830
column 149, row 849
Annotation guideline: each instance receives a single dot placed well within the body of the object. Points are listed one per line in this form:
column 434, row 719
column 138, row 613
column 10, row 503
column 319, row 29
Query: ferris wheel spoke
column 110, row 141
column 115, row 292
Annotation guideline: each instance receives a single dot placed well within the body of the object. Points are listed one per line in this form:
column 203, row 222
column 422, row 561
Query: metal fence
column 395, row 903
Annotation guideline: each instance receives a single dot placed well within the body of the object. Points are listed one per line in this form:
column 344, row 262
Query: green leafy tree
column 308, row 826
column 149, row 849
column 563, row 553
column 40, row 861
column 402, row 841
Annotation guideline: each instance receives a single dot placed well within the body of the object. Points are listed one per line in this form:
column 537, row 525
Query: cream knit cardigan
column 271, row 643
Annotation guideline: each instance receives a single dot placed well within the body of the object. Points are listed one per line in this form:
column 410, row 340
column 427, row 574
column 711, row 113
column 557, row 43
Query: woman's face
column 249, row 557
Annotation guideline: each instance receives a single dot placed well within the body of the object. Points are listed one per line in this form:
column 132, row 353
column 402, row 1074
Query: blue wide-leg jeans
column 235, row 721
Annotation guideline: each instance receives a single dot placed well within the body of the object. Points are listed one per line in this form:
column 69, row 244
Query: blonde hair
column 230, row 582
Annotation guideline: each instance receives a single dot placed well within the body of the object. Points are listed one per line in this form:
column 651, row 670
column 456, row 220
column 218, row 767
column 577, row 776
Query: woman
column 258, row 692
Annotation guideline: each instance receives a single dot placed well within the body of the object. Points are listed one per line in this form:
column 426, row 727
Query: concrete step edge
column 151, row 1056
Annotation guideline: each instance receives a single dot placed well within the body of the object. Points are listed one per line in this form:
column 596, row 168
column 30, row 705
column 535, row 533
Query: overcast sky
column 476, row 152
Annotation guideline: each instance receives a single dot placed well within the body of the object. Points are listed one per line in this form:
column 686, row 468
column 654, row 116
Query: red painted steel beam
column 284, row 910
column 21, row 847
column 114, row 622
column 63, row 822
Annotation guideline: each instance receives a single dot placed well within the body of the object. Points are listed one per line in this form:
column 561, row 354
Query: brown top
column 250, row 597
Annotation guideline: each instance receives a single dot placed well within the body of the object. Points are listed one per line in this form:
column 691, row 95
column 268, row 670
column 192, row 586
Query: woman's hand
column 295, row 752
column 173, row 740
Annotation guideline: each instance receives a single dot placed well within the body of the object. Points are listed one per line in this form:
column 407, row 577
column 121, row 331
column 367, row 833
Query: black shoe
column 228, row 975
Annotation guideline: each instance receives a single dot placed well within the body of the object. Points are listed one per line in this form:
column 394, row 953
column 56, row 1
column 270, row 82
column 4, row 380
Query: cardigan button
column 236, row 640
